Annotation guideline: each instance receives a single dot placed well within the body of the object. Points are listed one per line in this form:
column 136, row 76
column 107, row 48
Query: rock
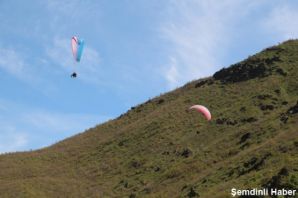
column 156, row 169
column 244, row 138
column 264, row 96
column 243, row 109
column 132, row 195
column 284, row 171
column 274, row 48
column 284, row 118
column 220, row 120
column 192, row 193
column 186, row 153
column 266, row 107
column 160, row 101
column 246, row 70
column 233, row 122
column 277, row 91
column 189, row 192
column 136, row 164
column 201, row 83
column 226, row 121
column 249, row 120
column 281, row 72
column 147, row 190
column 251, row 68
column 253, row 164
column 293, row 109
column 277, row 181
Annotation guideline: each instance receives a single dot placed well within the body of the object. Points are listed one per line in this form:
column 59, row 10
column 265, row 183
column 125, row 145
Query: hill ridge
column 161, row 149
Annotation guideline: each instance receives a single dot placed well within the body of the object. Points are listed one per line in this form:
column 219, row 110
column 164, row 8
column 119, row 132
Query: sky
column 134, row 50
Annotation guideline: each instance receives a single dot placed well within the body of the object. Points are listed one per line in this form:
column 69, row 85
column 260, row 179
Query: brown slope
column 160, row 149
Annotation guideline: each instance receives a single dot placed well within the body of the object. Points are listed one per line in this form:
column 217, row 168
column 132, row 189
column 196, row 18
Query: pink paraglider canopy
column 203, row 110
column 74, row 41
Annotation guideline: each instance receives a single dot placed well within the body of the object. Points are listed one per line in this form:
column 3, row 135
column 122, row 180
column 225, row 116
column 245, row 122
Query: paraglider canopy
column 203, row 110
column 77, row 46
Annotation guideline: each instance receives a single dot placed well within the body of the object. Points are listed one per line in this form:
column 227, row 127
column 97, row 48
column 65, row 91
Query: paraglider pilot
column 73, row 75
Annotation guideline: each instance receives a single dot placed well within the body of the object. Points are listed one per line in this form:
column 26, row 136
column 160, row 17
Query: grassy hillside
column 161, row 149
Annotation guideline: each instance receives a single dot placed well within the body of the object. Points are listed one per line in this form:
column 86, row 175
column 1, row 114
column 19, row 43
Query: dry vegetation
column 160, row 149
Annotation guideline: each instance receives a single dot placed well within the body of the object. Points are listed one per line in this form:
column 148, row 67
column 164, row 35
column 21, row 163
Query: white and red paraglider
column 77, row 46
column 203, row 110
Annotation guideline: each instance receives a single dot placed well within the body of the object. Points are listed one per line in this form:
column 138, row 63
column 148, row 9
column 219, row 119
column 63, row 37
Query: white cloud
column 66, row 6
column 30, row 70
column 24, row 128
column 12, row 140
column 172, row 73
column 72, row 15
column 199, row 32
column 88, row 68
column 57, row 122
column 13, row 63
column 282, row 22
column 70, row 8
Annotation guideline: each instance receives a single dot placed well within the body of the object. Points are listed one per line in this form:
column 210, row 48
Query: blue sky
column 134, row 50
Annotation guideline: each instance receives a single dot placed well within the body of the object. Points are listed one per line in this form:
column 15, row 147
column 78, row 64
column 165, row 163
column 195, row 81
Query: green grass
column 161, row 149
